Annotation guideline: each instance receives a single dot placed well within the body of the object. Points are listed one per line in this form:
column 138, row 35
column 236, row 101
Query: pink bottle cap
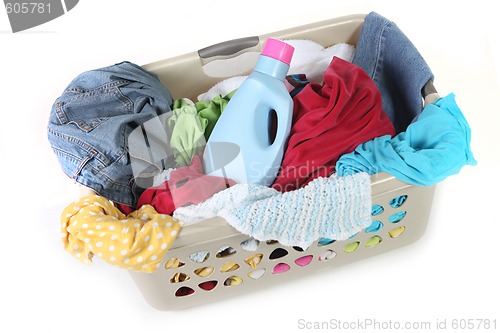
column 278, row 49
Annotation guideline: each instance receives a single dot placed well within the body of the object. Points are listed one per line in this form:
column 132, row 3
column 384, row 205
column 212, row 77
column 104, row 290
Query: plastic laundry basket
column 210, row 260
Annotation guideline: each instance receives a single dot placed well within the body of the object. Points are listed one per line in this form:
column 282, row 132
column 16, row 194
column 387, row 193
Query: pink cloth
column 329, row 120
column 187, row 185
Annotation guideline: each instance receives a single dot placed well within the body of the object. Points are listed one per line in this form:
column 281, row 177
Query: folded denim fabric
column 395, row 65
column 90, row 124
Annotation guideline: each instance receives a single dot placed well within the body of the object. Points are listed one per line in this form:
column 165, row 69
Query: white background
column 452, row 272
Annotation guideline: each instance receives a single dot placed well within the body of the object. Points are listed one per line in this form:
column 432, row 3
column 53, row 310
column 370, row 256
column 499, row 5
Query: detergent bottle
column 247, row 143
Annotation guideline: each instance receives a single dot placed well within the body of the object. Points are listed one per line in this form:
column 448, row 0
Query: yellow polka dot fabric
column 93, row 226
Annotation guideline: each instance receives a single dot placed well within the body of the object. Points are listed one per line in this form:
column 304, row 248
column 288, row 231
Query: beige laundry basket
column 210, row 260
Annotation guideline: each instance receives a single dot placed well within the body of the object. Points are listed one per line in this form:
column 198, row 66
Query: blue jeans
column 90, row 124
column 396, row 67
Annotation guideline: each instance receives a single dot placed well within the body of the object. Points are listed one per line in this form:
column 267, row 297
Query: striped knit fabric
column 334, row 207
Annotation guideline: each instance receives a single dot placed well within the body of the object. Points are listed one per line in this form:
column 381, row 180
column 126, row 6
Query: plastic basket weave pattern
column 212, row 261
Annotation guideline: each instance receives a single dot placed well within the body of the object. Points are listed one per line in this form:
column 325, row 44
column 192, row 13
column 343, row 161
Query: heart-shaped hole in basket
column 281, row 268
column 173, row 263
column 204, row 271
column 179, row 277
column 256, row 274
column 208, row 285
column 233, row 281
column 278, row 253
column 254, row 260
column 184, row 291
column 304, row 261
column 229, row 267
column 225, row 251
column 396, row 232
column 327, row 255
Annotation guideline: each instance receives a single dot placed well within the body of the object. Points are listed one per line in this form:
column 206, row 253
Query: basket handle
column 229, row 49
column 230, row 58
column 429, row 93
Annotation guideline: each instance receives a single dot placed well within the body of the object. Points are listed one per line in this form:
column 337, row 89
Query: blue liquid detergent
column 243, row 145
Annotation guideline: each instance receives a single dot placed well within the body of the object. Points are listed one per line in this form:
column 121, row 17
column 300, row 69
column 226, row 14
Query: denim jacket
column 90, row 124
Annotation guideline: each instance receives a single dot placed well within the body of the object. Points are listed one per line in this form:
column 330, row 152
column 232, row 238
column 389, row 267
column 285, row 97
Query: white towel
column 312, row 59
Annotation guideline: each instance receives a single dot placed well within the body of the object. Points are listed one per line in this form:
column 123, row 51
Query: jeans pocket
column 87, row 109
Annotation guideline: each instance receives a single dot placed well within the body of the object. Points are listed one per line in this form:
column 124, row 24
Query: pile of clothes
column 357, row 111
